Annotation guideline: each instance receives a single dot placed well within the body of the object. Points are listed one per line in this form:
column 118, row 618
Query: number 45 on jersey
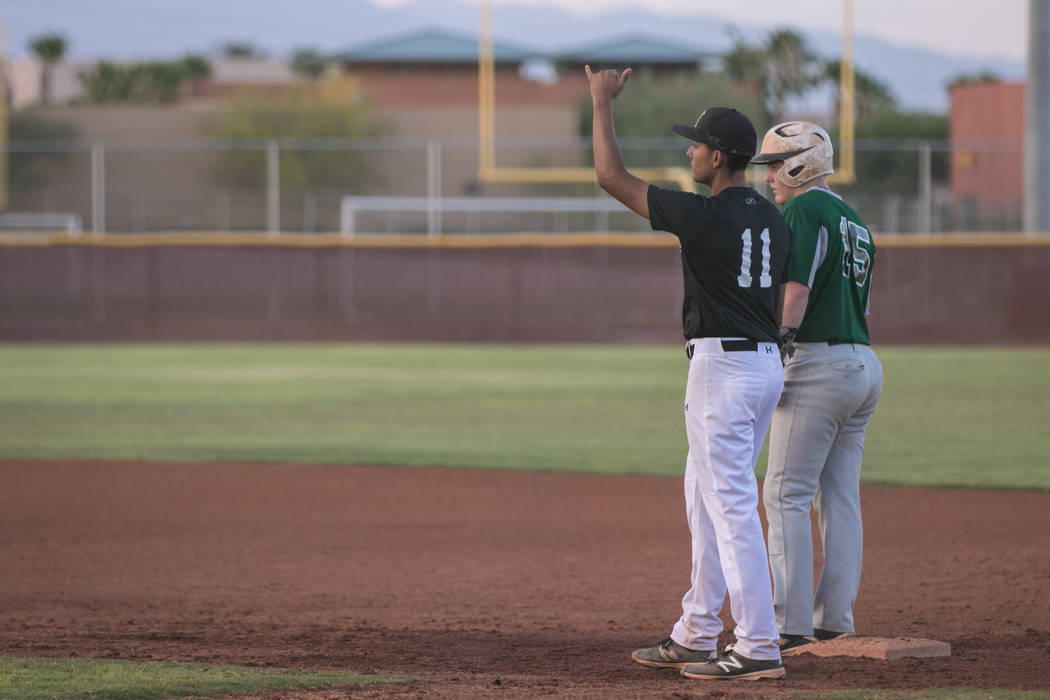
column 852, row 236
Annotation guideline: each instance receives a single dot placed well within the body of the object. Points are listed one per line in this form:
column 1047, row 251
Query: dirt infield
column 475, row 583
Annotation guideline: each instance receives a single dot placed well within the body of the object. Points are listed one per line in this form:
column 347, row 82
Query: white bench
column 21, row 221
column 434, row 206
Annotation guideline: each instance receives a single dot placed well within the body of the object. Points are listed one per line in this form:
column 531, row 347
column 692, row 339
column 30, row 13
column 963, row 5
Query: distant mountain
column 917, row 76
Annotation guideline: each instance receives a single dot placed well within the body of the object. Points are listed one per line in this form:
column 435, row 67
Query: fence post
column 890, row 218
column 601, row 220
column 925, row 188
column 273, row 189
column 222, row 210
column 309, row 212
column 346, row 217
column 433, row 188
column 1037, row 120
column 98, row 189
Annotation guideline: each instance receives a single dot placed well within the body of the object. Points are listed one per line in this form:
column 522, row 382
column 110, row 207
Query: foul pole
column 1037, row 120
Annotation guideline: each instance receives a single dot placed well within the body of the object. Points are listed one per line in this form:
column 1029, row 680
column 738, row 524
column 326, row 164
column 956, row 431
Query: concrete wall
column 929, row 295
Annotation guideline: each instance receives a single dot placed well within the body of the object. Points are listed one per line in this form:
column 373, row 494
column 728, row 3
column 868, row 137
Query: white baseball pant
column 816, row 444
column 730, row 398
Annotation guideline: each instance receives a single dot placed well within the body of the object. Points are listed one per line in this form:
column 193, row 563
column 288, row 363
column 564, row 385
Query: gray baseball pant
column 816, row 443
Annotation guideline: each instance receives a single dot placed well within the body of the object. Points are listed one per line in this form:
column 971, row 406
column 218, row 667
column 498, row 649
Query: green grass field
column 76, row 679
column 933, row 694
column 82, row 679
column 948, row 416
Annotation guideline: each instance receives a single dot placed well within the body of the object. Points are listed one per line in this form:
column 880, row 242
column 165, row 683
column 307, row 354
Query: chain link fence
column 184, row 185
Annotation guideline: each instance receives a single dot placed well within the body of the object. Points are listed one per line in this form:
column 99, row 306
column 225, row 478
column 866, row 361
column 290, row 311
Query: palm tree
column 870, row 95
column 308, row 63
column 782, row 67
column 794, row 69
column 49, row 48
column 747, row 65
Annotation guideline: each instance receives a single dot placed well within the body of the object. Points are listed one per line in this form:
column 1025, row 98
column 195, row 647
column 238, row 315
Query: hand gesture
column 606, row 83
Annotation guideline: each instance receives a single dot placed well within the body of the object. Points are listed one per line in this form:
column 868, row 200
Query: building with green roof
column 429, row 49
column 637, row 51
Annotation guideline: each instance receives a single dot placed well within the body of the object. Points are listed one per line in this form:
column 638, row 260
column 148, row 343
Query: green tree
column 893, row 165
column 780, row 68
column 312, row 112
column 649, row 108
column 195, row 67
column 870, row 95
column 974, row 79
column 241, row 49
column 49, row 48
column 32, row 169
column 195, row 70
column 308, row 63
column 150, row 82
column 794, row 69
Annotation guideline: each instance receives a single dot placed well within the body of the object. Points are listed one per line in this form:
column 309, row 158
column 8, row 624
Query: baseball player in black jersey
column 735, row 251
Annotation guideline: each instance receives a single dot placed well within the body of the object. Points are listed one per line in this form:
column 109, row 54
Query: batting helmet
column 804, row 147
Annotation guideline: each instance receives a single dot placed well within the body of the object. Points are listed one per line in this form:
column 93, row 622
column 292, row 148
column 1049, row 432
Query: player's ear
column 718, row 158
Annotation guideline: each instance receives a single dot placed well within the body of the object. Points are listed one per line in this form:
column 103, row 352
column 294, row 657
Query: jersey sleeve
column 681, row 213
column 809, row 242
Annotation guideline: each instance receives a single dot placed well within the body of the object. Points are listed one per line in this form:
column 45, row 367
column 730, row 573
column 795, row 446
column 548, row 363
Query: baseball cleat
column 733, row 666
column 792, row 644
column 825, row 635
column 670, row 654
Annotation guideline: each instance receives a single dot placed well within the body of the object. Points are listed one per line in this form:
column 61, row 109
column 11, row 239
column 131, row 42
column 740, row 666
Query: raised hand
column 606, row 83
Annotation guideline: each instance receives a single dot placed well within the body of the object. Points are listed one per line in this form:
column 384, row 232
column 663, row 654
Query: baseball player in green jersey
column 832, row 383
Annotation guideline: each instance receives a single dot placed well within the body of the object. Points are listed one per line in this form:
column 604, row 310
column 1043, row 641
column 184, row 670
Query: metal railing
column 436, row 206
column 173, row 185
column 46, row 221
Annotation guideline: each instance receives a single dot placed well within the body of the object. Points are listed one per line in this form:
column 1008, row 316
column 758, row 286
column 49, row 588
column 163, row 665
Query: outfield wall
column 579, row 288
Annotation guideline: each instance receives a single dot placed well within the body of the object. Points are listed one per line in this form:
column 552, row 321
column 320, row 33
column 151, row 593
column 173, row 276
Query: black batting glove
column 786, row 343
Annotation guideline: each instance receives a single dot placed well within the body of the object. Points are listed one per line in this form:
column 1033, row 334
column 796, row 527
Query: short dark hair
column 736, row 162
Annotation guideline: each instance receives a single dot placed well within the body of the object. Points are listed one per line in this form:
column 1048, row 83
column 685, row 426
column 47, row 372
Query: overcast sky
column 976, row 27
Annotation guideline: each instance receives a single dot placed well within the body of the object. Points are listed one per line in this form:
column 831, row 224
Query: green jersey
column 833, row 254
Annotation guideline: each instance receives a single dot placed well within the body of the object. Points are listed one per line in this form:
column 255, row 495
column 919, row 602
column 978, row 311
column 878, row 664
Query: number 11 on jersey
column 744, row 278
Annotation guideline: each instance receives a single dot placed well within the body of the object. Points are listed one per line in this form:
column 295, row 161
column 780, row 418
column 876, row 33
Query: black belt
column 728, row 346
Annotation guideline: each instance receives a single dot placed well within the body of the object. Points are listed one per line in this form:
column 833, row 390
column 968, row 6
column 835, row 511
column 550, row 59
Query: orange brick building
column 987, row 134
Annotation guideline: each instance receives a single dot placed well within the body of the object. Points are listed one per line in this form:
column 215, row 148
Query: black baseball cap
column 723, row 129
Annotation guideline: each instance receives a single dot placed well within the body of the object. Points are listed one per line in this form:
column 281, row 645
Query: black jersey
column 735, row 249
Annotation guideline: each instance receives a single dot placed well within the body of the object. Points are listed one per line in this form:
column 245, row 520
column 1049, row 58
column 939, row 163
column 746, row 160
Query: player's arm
column 809, row 244
column 795, row 296
column 608, row 161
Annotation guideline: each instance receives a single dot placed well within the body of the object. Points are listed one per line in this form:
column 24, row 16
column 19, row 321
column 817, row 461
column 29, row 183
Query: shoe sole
column 659, row 664
column 751, row 676
column 664, row 664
